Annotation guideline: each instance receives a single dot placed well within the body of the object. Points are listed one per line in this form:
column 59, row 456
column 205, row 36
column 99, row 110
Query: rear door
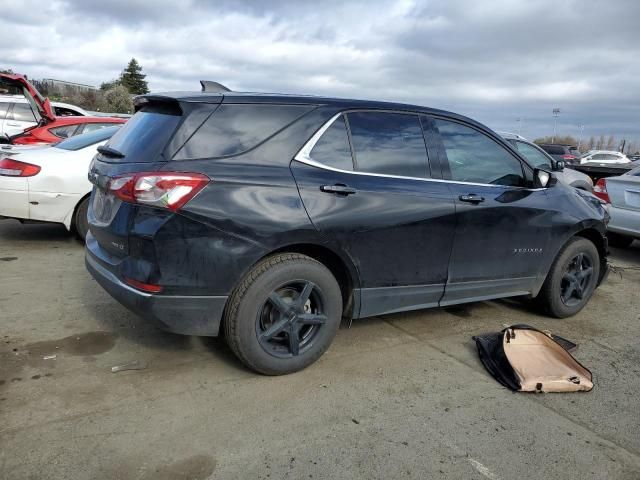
column 365, row 180
column 503, row 227
column 19, row 117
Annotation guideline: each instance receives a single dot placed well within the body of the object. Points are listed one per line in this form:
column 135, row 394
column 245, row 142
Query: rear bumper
column 183, row 314
column 624, row 221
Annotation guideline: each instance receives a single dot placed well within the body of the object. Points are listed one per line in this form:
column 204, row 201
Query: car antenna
column 210, row 86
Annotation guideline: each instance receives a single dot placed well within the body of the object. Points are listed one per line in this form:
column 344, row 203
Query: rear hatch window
column 144, row 136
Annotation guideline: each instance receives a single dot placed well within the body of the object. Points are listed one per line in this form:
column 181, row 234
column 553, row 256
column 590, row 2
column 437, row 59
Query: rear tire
column 571, row 279
column 284, row 314
column 80, row 221
column 619, row 241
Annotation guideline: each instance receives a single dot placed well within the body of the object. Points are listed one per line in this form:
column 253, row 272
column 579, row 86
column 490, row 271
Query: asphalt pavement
column 398, row 396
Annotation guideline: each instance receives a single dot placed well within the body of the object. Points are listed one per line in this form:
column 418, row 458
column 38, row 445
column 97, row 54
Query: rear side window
column 65, row 131
column 333, row 147
column 388, row 143
column 474, row 157
column 22, row 113
column 145, row 135
column 235, row 128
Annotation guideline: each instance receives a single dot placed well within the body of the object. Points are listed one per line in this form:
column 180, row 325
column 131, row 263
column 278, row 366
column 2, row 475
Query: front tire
column 572, row 279
column 284, row 314
column 80, row 221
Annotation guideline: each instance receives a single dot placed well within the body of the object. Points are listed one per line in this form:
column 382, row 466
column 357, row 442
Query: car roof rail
column 212, row 87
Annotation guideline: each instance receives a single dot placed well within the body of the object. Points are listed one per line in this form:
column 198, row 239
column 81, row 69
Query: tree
column 610, row 142
column 116, row 100
column 6, row 70
column 133, row 79
column 104, row 86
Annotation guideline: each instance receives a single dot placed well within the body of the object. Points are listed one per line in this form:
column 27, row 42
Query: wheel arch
column 591, row 233
column 341, row 267
column 69, row 221
column 595, row 237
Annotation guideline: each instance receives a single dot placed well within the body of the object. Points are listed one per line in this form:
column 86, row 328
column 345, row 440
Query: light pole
column 580, row 137
column 556, row 112
column 520, row 121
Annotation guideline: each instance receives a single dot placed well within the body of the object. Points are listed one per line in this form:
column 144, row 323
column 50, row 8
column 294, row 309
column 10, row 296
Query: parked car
column 274, row 216
column 49, row 183
column 62, row 109
column 18, row 124
column 623, row 193
column 541, row 159
column 16, row 114
column 559, row 151
column 603, row 157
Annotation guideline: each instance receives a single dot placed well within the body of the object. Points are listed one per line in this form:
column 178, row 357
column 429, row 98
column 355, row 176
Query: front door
column 365, row 182
column 503, row 226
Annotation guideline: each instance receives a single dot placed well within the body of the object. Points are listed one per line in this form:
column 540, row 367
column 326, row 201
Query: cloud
column 494, row 61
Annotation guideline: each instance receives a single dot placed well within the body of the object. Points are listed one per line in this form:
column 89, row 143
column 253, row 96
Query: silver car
column 541, row 159
column 623, row 193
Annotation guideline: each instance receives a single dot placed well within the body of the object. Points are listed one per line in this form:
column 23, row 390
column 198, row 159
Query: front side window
column 65, row 131
column 333, row 147
column 474, row 157
column 388, row 143
column 22, row 113
column 535, row 156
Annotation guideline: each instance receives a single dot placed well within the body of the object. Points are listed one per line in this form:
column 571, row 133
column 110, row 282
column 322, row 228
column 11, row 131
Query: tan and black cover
column 526, row 359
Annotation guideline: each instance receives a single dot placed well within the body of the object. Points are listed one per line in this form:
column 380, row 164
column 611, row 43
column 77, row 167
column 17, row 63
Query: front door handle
column 338, row 188
column 471, row 198
column 13, row 124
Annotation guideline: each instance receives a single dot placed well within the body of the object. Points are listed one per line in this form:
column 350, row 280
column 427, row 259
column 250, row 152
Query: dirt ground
column 399, row 396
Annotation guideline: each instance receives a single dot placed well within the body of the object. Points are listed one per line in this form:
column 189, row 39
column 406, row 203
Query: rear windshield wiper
column 110, row 152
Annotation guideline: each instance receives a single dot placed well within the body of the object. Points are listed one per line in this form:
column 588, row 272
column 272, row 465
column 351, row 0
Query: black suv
column 274, row 216
column 569, row 154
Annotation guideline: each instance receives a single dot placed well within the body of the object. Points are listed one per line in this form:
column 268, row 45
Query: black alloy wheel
column 291, row 319
column 576, row 279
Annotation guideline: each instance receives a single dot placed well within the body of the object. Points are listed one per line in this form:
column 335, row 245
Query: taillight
column 160, row 189
column 14, row 168
column 569, row 157
column 25, row 139
column 600, row 190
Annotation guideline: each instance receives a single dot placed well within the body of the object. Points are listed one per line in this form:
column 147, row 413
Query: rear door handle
column 13, row 124
column 471, row 198
column 339, row 189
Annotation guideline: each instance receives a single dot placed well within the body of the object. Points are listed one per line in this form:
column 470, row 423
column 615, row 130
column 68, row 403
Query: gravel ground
column 399, row 396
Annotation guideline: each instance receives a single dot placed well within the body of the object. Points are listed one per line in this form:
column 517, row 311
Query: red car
column 50, row 129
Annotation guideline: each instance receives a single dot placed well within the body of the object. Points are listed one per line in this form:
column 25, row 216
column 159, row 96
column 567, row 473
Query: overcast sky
column 494, row 60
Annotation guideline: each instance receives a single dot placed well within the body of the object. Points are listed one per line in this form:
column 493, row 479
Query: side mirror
column 559, row 166
column 543, row 179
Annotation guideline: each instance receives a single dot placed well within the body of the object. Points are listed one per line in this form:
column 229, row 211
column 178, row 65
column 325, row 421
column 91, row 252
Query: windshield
column 87, row 139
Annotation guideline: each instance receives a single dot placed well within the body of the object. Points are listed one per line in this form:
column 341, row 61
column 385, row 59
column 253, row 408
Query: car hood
column 34, row 97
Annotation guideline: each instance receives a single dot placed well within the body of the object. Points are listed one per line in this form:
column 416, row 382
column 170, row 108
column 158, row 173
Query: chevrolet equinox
column 269, row 218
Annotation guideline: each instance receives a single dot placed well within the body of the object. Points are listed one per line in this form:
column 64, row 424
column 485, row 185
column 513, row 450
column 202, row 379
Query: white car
column 49, row 183
column 16, row 114
column 604, row 157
